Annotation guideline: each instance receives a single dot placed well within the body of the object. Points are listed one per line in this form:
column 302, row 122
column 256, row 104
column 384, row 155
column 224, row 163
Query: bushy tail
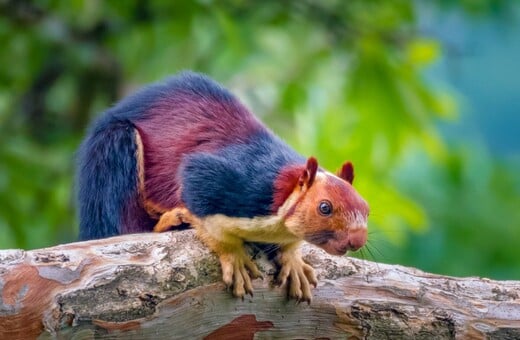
column 107, row 181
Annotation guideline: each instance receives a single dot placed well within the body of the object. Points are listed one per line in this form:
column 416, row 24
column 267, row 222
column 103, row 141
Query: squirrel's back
column 190, row 114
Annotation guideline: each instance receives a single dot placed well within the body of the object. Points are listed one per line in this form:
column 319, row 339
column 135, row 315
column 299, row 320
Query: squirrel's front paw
column 235, row 267
column 299, row 276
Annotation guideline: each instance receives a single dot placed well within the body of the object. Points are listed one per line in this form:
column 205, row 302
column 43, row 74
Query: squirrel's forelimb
column 226, row 235
column 237, row 267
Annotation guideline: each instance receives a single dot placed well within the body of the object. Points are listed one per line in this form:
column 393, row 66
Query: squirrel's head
column 325, row 209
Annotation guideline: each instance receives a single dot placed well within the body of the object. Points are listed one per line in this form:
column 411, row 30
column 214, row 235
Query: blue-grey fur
column 107, row 177
column 237, row 180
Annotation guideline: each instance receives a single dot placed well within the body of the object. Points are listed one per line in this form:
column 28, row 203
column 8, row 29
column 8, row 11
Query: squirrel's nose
column 357, row 238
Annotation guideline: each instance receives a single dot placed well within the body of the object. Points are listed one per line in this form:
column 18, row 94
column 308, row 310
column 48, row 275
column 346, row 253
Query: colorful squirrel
column 186, row 151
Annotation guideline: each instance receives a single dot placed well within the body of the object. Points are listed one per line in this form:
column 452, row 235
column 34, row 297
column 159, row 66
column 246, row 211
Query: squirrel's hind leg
column 174, row 217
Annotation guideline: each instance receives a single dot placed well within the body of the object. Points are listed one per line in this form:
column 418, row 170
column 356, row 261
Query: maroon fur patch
column 308, row 176
column 347, row 172
column 182, row 124
column 284, row 185
column 289, row 178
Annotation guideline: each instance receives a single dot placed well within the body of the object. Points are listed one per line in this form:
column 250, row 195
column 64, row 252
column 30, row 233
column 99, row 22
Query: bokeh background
column 423, row 97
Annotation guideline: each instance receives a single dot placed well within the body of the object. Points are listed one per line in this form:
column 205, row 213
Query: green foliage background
column 337, row 79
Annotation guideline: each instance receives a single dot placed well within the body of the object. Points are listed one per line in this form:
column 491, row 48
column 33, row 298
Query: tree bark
column 169, row 286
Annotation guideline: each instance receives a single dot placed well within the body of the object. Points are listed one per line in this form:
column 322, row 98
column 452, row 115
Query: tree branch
column 164, row 285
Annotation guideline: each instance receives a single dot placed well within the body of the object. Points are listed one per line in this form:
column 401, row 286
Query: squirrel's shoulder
column 237, row 180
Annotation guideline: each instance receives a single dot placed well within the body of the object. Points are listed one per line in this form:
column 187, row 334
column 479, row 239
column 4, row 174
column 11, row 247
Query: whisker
column 373, row 257
column 380, row 253
column 371, row 253
column 361, row 253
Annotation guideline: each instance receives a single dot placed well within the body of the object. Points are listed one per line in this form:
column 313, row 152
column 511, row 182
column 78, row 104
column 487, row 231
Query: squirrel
column 186, row 151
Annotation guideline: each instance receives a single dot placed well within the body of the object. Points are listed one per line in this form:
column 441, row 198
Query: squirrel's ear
column 309, row 174
column 347, row 172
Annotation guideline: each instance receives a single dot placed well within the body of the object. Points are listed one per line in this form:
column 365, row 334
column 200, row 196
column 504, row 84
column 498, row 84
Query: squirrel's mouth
column 328, row 241
column 334, row 249
column 338, row 242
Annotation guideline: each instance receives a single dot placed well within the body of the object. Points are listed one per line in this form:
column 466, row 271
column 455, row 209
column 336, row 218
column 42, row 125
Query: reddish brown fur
column 344, row 229
column 345, row 196
column 344, row 200
column 178, row 125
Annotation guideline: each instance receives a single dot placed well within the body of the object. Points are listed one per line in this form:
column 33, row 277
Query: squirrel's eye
column 325, row 208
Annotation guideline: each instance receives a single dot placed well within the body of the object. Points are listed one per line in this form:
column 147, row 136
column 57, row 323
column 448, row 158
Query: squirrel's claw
column 299, row 276
column 235, row 274
column 253, row 269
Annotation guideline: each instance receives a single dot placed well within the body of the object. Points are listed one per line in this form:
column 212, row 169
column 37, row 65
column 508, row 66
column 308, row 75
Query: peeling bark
column 168, row 286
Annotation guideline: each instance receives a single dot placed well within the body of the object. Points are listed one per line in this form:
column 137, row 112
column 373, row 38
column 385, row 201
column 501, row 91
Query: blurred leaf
column 422, row 52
